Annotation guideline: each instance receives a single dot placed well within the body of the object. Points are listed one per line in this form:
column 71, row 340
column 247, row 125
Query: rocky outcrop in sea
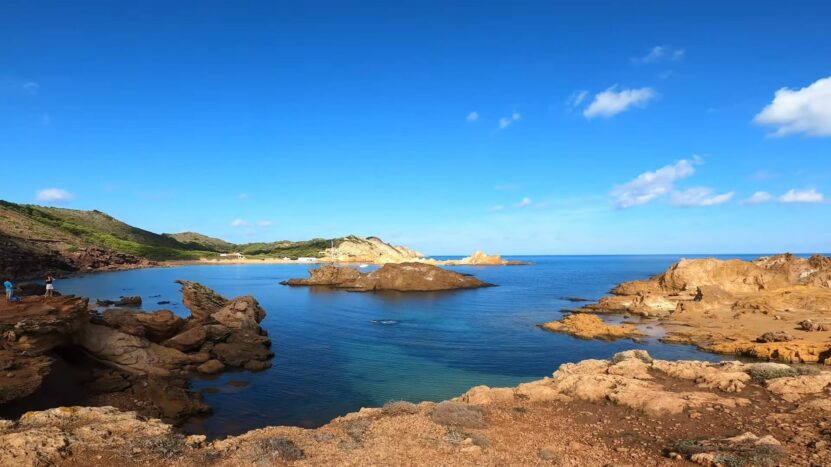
column 403, row 277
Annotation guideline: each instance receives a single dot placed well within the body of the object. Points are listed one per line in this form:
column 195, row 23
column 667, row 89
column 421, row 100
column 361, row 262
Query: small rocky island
column 137, row 360
column 400, row 277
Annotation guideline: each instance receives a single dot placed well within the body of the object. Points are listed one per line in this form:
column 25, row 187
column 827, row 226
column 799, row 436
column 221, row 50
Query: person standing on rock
column 50, row 286
column 9, row 290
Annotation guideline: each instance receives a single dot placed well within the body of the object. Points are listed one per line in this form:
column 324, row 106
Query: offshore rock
column 403, row 277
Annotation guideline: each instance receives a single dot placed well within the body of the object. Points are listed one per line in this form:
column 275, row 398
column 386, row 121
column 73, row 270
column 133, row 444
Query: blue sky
column 518, row 127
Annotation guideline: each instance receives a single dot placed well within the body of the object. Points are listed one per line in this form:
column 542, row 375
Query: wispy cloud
column 264, row 223
column 472, row 117
column 652, row 185
column 806, row 196
column 760, row 197
column 239, row 223
column 497, row 208
column 54, row 195
column 801, row 196
column 30, row 86
column 524, row 202
column 612, row 102
column 577, row 98
column 806, row 110
column 699, row 196
column 505, row 122
column 660, row 53
column 506, row 187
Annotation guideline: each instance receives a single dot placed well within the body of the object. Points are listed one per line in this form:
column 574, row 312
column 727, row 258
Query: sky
column 517, row 127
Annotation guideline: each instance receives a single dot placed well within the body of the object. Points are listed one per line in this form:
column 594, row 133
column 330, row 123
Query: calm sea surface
column 337, row 351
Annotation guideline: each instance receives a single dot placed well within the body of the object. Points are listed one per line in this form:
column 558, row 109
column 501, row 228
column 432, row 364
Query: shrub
column 284, row 447
column 762, row 372
column 356, row 429
column 399, row 408
column 456, row 436
column 450, row 413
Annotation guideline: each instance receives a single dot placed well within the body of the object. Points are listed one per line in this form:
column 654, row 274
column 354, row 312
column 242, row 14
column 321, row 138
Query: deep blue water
column 339, row 351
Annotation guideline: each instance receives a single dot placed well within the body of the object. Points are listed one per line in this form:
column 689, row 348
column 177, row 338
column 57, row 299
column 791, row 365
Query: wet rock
column 211, row 367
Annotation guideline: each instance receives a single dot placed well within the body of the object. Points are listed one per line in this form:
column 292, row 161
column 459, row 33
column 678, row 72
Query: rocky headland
column 135, row 360
column 629, row 410
column 480, row 258
column 399, row 277
column 773, row 308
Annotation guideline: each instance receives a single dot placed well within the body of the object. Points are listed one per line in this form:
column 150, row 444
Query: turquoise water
column 337, row 351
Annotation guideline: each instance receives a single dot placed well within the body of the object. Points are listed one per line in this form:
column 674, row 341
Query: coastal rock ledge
column 137, row 360
column 627, row 410
column 400, row 277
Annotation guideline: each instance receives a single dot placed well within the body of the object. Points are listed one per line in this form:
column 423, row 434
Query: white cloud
column 651, row 185
column 523, row 202
column 505, row 122
column 30, row 86
column 54, row 195
column 806, row 110
column 577, row 98
column 238, row 223
column 263, row 223
column 801, row 196
column 498, row 208
column 661, row 53
column 473, row 116
column 612, row 102
column 760, row 197
column 699, row 196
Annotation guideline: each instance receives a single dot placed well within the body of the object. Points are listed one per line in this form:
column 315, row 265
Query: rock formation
column 403, row 277
column 480, row 258
column 628, row 410
column 591, row 327
column 753, row 308
column 369, row 250
column 148, row 355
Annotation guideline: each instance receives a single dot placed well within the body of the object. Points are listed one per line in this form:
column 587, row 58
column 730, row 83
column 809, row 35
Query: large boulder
column 402, row 277
column 200, row 300
column 130, row 353
column 156, row 326
column 36, row 325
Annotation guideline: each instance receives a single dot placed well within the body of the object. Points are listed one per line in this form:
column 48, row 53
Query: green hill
column 198, row 241
column 76, row 230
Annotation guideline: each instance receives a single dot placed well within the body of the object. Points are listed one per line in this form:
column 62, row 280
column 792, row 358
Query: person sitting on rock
column 9, row 290
column 50, row 286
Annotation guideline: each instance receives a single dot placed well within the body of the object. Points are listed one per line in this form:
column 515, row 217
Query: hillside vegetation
column 80, row 229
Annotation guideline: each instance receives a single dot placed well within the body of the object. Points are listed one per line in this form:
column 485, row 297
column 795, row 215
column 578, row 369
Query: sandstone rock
column 403, row 277
column 45, row 438
column 591, row 327
column 38, row 324
column 793, row 388
column 369, row 250
column 200, row 300
column 128, row 352
column 775, row 336
column 211, row 367
column 736, row 307
column 480, row 258
column 483, row 395
column 188, row 340
column 156, row 326
column 240, row 313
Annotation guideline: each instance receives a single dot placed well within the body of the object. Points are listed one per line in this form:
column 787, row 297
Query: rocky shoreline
column 629, row 410
column 773, row 308
column 133, row 360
